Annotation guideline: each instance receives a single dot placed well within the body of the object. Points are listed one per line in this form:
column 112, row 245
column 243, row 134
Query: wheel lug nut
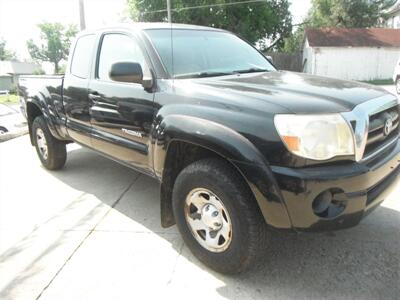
column 216, row 224
column 215, row 213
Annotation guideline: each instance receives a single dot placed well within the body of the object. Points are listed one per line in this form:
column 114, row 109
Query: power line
column 205, row 6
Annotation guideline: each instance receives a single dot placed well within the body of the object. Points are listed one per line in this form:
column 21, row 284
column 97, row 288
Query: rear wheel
column 218, row 217
column 52, row 152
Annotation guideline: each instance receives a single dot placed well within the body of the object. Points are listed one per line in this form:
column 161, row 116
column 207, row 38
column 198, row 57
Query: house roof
column 353, row 37
column 17, row 68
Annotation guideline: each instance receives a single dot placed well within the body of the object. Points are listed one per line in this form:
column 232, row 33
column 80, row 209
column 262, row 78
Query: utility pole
column 82, row 15
column 169, row 11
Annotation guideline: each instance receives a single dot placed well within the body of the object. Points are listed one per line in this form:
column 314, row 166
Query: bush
column 13, row 90
column 39, row 72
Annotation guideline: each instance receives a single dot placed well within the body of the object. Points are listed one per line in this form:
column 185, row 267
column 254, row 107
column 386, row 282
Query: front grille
column 378, row 133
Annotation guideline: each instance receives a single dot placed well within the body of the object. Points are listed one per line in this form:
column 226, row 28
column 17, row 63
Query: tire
column 3, row 130
column 398, row 85
column 247, row 237
column 56, row 154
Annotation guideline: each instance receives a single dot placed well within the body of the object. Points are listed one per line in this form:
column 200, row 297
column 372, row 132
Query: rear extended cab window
column 82, row 57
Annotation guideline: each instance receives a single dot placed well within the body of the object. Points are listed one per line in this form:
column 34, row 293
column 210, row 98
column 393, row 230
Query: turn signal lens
column 292, row 142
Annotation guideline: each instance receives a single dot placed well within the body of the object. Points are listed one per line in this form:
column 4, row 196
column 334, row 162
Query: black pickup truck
column 237, row 146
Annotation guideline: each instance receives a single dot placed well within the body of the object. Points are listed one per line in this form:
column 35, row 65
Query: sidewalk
column 12, row 119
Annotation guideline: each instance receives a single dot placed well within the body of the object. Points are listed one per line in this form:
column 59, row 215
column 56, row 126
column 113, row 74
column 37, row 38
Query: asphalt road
column 92, row 231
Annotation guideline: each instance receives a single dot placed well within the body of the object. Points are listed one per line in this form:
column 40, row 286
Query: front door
column 121, row 113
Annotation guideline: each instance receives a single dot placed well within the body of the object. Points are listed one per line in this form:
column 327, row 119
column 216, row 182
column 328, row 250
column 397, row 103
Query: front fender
column 230, row 145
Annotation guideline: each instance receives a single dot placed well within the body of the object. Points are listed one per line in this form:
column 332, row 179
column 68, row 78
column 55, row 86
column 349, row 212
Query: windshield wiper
column 203, row 74
column 251, row 70
column 215, row 74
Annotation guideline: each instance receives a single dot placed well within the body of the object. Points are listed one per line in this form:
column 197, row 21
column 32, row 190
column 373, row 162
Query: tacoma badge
column 132, row 132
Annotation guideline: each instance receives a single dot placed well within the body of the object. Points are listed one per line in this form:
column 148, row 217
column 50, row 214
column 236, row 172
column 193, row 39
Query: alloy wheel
column 208, row 220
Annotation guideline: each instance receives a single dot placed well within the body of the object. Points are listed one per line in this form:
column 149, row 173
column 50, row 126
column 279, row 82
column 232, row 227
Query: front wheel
column 52, row 152
column 218, row 217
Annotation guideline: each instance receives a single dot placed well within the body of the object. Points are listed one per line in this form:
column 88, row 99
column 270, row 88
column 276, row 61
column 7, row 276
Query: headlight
column 318, row 137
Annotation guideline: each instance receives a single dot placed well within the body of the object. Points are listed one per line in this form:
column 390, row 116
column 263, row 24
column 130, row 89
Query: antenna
column 172, row 40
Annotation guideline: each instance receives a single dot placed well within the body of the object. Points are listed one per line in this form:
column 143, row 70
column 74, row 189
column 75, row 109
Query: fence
column 288, row 61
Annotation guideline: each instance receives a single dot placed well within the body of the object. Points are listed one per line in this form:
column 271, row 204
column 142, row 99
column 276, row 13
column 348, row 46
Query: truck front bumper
column 356, row 189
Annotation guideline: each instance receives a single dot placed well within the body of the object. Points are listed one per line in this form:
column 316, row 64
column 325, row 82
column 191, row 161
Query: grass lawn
column 380, row 82
column 9, row 99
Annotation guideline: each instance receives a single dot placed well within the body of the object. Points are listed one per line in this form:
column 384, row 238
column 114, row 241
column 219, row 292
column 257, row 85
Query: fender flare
column 40, row 104
column 230, row 145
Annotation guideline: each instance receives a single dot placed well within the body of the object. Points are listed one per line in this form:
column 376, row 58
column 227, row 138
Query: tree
column 264, row 22
column 339, row 13
column 55, row 43
column 295, row 41
column 4, row 53
column 348, row 13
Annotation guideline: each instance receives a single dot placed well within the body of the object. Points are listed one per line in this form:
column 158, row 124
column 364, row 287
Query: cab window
column 81, row 59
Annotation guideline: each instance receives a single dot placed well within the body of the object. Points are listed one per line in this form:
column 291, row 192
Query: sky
column 18, row 18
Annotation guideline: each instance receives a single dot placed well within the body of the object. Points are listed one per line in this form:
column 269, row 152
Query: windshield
column 206, row 53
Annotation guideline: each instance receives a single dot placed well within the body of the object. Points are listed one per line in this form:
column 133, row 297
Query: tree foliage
column 339, row 13
column 6, row 54
column 348, row 13
column 267, row 23
column 54, row 45
column 39, row 71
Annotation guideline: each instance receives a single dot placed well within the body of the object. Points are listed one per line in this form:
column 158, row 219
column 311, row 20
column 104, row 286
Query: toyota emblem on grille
column 388, row 126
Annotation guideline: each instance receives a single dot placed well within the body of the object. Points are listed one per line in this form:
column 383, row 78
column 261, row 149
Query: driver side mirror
column 126, row 72
column 130, row 72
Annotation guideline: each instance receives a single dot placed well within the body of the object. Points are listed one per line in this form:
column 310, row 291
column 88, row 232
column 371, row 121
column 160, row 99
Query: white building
column 393, row 16
column 10, row 70
column 351, row 54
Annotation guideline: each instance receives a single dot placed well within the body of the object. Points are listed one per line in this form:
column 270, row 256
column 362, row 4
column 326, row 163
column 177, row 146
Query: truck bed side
column 42, row 95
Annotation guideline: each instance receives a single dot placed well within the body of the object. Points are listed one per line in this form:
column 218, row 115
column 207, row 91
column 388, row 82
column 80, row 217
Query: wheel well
column 179, row 155
column 32, row 111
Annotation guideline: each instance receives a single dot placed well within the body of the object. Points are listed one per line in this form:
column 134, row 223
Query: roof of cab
column 147, row 25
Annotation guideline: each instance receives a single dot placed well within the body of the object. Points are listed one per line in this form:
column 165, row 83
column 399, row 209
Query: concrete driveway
column 92, row 231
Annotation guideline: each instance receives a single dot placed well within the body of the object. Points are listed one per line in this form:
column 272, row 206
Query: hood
column 297, row 92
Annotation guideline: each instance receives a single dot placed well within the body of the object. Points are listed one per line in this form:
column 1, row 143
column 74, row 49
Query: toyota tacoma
column 237, row 146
